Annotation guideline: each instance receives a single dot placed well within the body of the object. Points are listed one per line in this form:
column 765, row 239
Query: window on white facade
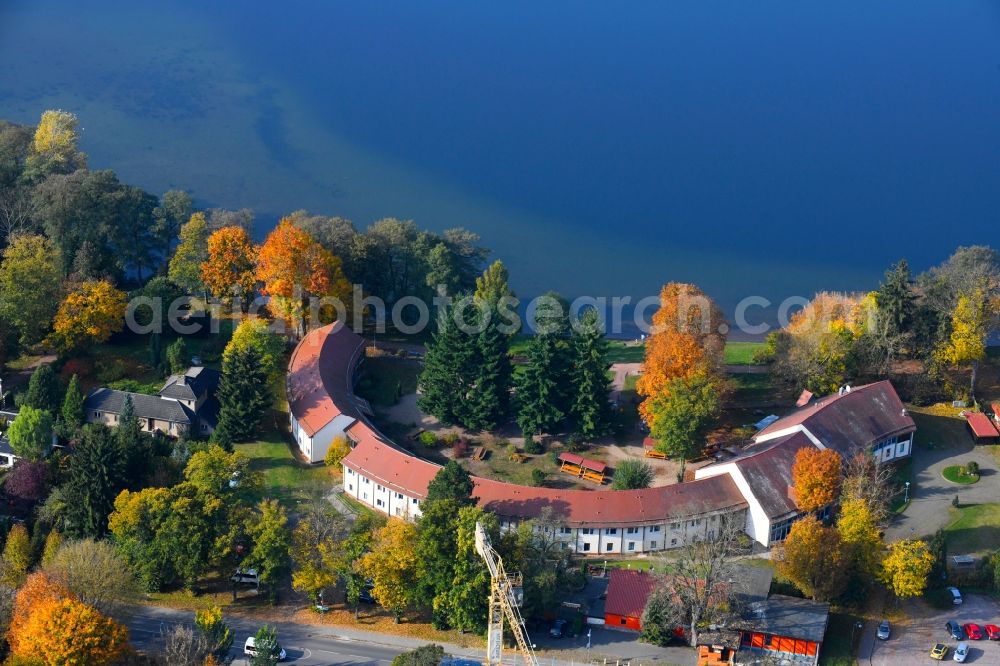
column 565, row 530
column 588, row 530
column 378, row 502
column 611, row 530
column 350, row 472
column 673, row 542
column 632, row 530
column 350, row 486
column 586, row 547
column 631, row 545
column 654, row 528
column 367, row 481
column 399, row 495
column 380, row 487
column 609, row 547
column 652, row 544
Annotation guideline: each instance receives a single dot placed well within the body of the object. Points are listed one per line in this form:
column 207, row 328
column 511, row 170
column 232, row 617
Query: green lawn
column 285, row 477
column 620, row 351
column 741, row 353
column 974, row 529
column 957, row 474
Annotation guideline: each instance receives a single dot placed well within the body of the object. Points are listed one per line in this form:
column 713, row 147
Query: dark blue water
column 769, row 148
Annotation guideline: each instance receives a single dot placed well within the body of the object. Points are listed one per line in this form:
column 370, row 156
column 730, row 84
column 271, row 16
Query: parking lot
column 923, row 626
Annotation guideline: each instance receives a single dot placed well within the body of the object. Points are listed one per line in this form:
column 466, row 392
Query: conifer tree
column 134, row 447
column 44, row 391
column 590, row 408
column 450, row 370
column 538, row 388
column 72, row 407
column 95, row 479
column 244, row 396
column 489, row 401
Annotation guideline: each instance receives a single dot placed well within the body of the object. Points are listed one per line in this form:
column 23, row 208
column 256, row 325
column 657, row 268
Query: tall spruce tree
column 895, row 298
column 244, row 395
column 72, row 407
column 450, row 371
column 590, row 408
column 489, row 400
column 135, row 448
column 96, row 476
column 538, row 389
column 44, row 390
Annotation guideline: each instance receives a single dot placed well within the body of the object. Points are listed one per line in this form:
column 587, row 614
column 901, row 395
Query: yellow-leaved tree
column 816, row 476
column 969, row 330
column 392, row 565
column 89, row 314
column 813, row 350
column 54, row 149
column 906, row 567
column 861, row 537
column 338, row 449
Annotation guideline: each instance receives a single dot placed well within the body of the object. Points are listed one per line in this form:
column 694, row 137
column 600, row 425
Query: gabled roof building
column 868, row 418
column 185, row 405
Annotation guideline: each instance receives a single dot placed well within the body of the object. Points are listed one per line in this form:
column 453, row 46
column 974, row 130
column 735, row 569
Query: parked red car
column 992, row 632
column 973, row 631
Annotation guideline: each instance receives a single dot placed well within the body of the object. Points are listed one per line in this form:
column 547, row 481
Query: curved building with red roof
column 389, row 479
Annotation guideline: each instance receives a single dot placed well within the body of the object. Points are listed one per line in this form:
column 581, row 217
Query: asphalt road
column 305, row 644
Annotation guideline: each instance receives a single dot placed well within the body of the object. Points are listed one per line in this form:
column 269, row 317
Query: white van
column 250, row 649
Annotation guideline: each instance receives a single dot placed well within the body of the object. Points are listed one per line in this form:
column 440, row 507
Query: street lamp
column 906, row 492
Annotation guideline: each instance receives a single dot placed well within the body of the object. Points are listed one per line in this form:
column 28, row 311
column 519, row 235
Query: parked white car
column 250, row 649
column 961, row 652
column 246, row 576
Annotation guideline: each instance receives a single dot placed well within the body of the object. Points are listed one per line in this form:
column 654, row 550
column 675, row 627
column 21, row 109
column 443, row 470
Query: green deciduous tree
column 270, row 347
column 682, row 414
column 191, row 253
column 174, row 210
column 425, row 655
column 270, row 536
column 30, row 433
column 30, row 286
column 177, row 356
column 16, row 556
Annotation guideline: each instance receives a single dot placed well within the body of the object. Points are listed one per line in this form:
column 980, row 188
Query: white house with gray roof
column 185, row 405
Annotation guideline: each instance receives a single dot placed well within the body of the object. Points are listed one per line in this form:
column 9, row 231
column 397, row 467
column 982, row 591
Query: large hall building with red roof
column 755, row 486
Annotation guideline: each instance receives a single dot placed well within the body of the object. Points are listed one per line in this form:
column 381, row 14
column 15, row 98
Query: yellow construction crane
column 506, row 597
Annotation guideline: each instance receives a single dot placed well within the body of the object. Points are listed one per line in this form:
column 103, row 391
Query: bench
column 479, row 453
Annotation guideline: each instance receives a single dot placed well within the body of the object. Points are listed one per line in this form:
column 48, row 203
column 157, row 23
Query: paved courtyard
column 931, row 494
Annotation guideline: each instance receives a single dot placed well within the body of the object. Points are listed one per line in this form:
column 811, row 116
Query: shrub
column 632, row 474
column 428, row 438
column 450, row 439
column 533, row 446
column 972, row 467
column 537, row 477
column 575, row 443
column 460, row 448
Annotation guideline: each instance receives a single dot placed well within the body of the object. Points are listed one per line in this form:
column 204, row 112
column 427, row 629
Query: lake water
column 764, row 147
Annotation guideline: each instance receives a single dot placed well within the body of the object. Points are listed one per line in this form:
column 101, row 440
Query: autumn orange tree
column 816, row 477
column 37, row 590
column 813, row 558
column 684, row 349
column 295, row 268
column 230, row 271
column 66, row 631
column 89, row 314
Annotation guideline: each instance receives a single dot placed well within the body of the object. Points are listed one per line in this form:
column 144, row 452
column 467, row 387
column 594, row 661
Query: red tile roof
column 319, row 389
column 981, row 425
column 628, row 591
column 410, row 475
column 852, row 420
column 320, row 374
column 580, row 461
column 571, row 458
